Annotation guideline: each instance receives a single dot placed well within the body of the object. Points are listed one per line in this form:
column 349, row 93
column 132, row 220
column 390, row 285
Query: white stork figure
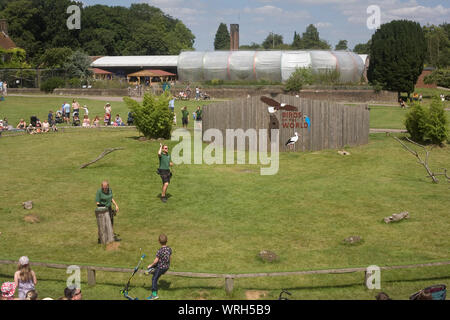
column 292, row 141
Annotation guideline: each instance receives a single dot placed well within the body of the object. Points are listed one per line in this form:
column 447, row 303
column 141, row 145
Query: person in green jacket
column 164, row 169
column 104, row 198
column 184, row 117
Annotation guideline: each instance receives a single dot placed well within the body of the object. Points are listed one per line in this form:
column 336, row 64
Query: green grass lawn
column 220, row 217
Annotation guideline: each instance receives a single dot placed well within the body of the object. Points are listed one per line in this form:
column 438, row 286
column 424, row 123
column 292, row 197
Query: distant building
column 5, row 41
column 420, row 81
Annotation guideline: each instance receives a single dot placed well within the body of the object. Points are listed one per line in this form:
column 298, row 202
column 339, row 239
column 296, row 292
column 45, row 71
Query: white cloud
column 322, row 24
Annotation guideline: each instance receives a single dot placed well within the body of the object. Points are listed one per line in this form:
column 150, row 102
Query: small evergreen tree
column 436, row 126
column 153, row 117
column 397, row 54
column 342, row 45
column 222, row 39
column 299, row 78
column 427, row 125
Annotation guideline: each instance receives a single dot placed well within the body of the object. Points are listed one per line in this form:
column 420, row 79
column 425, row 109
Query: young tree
column 78, row 65
column 311, row 39
column 222, row 39
column 152, row 118
column 362, row 48
column 273, row 41
column 342, row 45
column 397, row 54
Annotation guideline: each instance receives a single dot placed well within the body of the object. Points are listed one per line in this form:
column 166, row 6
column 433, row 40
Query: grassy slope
column 220, row 217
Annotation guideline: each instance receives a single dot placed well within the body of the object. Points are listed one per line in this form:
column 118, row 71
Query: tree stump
column 28, row 205
column 105, row 229
column 397, row 217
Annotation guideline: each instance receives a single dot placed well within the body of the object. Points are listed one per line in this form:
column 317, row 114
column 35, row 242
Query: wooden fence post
column 105, row 230
column 229, row 285
column 91, row 276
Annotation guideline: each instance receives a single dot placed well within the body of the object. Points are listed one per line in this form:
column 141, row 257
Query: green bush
column 441, row 77
column 427, row 125
column 436, row 126
column 153, row 117
column 299, row 78
column 51, row 84
column 74, row 83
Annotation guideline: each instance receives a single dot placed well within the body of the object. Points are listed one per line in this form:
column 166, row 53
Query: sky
column 335, row 19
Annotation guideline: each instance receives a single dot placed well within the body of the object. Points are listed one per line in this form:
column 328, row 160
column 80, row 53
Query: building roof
column 135, row 61
column 151, row 73
column 6, row 42
column 100, row 71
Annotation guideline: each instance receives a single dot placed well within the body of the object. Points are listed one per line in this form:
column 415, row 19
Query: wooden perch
column 104, row 153
column 397, row 217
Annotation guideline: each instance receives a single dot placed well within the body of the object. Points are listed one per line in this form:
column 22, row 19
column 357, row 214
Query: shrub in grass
column 51, row 84
column 299, row 78
column 436, row 126
column 415, row 122
column 427, row 125
column 153, row 117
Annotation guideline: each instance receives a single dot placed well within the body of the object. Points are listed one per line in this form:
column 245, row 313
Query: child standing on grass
column 161, row 265
column 24, row 278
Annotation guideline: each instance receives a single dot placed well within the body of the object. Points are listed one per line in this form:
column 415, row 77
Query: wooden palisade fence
column 332, row 125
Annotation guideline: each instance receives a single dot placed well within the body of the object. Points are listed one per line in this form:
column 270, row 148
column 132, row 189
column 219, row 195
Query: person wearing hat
column 8, row 290
column 24, row 278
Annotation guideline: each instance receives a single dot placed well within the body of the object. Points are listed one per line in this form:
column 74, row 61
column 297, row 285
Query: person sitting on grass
column 38, row 126
column 24, row 278
column 96, row 122
column 76, row 121
column 31, row 295
column 86, row 121
column 161, row 264
column 22, row 125
column 8, row 290
column 118, row 121
column 107, row 119
column 72, row 294
column 45, row 126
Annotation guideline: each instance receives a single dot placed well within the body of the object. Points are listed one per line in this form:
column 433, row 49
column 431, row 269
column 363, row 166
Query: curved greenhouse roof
column 135, row 61
column 274, row 66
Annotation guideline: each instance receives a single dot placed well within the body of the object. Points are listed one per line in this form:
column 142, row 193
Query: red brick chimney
column 234, row 37
column 4, row 26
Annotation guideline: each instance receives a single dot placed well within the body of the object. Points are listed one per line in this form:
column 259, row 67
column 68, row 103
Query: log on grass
column 104, row 153
column 397, row 217
column 105, row 229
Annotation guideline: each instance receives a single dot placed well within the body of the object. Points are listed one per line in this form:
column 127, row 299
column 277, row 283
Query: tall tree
column 297, row 41
column 273, row 41
column 311, row 39
column 342, row 45
column 362, row 48
column 438, row 45
column 222, row 38
column 397, row 54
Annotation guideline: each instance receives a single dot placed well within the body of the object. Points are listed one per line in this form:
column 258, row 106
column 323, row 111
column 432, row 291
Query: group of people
column 24, row 285
column 197, row 115
column 104, row 198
